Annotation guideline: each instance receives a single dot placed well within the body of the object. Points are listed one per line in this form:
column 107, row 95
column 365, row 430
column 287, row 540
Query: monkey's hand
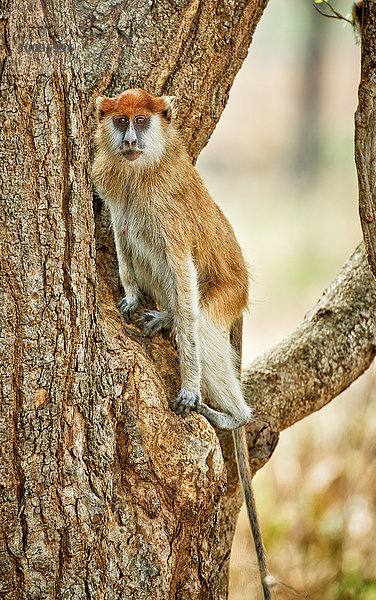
column 186, row 401
column 128, row 305
column 152, row 321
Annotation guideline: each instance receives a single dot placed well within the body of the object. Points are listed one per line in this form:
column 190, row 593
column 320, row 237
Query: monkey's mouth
column 131, row 154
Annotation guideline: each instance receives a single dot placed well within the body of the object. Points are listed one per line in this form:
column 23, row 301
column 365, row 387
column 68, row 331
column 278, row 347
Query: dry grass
column 317, row 503
column 317, row 496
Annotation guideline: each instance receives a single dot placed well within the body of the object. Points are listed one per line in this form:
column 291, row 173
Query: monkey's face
column 131, row 134
column 133, row 126
column 137, row 137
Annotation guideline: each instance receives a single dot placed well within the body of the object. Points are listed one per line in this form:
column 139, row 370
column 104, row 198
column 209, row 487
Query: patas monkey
column 174, row 243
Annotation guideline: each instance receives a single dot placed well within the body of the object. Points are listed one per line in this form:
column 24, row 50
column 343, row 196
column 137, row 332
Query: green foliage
column 353, row 586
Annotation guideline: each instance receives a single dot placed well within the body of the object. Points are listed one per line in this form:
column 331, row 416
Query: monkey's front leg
column 133, row 296
column 185, row 317
column 129, row 304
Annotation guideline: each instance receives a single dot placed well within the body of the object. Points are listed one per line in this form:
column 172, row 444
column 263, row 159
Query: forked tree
column 105, row 492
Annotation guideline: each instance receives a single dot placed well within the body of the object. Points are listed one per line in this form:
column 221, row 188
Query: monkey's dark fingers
column 153, row 321
column 127, row 308
column 150, row 324
column 151, row 329
column 146, row 316
column 185, row 412
column 180, row 409
column 128, row 315
column 126, row 304
column 185, row 402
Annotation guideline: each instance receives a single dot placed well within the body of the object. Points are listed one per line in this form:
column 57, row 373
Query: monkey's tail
column 242, row 459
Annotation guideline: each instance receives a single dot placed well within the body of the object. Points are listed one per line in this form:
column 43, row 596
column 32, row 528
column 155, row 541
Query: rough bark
column 365, row 128
column 104, row 492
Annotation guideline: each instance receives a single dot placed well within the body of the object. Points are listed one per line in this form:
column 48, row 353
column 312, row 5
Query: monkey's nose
column 130, row 144
column 130, row 139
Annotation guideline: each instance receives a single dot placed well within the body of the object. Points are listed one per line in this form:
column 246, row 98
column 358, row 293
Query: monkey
column 175, row 245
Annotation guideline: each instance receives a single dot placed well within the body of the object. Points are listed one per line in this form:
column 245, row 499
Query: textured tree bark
column 105, row 493
column 365, row 127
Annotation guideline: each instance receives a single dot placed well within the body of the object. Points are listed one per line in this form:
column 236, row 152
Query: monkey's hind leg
column 218, row 419
column 219, row 380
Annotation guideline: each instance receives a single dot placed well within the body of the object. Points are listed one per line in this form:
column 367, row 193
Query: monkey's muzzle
column 131, row 154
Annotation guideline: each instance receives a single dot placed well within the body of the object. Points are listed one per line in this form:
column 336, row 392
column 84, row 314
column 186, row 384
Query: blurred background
column 280, row 164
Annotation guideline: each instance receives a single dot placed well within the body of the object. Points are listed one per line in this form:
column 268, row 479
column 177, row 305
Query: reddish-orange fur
column 132, row 102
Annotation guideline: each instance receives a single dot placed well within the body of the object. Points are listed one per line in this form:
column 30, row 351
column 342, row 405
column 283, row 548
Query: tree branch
column 335, row 14
column 333, row 346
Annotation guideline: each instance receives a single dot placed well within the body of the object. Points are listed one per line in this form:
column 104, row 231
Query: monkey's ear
column 99, row 109
column 170, row 107
column 104, row 105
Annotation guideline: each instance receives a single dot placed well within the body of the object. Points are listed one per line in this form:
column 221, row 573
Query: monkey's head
column 134, row 125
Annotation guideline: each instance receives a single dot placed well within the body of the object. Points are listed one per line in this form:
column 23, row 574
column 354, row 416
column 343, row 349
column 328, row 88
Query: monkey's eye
column 121, row 121
column 140, row 120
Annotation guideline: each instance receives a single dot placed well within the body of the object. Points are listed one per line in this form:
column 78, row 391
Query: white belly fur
column 151, row 268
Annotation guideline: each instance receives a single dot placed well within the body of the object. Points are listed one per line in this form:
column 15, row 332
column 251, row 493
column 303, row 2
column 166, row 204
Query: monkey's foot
column 128, row 305
column 185, row 402
column 153, row 321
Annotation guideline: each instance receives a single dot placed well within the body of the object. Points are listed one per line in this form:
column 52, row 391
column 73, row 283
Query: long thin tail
column 245, row 475
column 242, row 459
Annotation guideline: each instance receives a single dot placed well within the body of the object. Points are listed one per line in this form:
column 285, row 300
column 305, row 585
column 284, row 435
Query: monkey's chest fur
column 142, row 244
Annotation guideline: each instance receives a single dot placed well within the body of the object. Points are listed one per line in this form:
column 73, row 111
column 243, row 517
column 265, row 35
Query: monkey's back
column 198, row 225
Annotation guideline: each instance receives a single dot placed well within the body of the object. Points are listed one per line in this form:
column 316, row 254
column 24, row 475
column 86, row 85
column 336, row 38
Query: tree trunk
column 106, row 494
column 365, row 128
